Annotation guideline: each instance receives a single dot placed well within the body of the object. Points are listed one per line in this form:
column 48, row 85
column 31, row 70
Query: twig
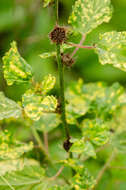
column 37, row 137
column 80, row 46
column 57, row 174
column 77, row 48
column 45, row 135
column 104, row 168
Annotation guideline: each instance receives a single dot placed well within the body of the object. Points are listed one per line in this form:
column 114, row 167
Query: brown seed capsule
column 67, row 59
column 58, row 35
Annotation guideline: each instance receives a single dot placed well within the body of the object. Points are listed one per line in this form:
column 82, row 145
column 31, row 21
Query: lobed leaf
column 15, row 67
column 8, row 108
column 88, row 14
column 111, row 49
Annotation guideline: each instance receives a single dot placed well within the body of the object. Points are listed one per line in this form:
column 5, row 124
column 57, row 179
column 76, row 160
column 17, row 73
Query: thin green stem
column 37, row 137
column 62, row 96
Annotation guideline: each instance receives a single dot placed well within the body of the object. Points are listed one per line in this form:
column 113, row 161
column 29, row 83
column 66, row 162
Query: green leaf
column 83, row 180
column 35, row 105
column 47, row 122
column 88, row 14
column 30, row 177
column 7, row 166
column 15, row 67
column 95, row 131
column 47, row 2
column 85, row 147
column 56, row 187
column 48, row 55
column 111, row 49
column 10, row 148
column 49, row 104
column 119, row 141
column 48, row 83
column 8, row 108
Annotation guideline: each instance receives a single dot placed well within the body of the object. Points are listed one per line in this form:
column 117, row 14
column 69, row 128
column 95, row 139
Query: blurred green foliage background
column 28, row 23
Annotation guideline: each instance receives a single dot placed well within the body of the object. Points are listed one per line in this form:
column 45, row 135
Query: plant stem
column 37, row 137
column 61, row 78
column 80, row 46
column 45, row 136
column 57, row 174
column 62, row 96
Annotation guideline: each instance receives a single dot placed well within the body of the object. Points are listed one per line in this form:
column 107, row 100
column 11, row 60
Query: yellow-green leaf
column 48, row 83
column 8, row 108
column 11, row 149
column 88, row 14
column 47, row 2
column 111, row 49
column 15, row 67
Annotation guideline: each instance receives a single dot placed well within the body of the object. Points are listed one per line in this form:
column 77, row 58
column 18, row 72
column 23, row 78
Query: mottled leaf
column 82, row 146
column 82, row 180
column 88, row 14
column 49, row 104
column 35, row 105
column 48, row 83
column 111, row 49
column 7, row 166
column 15, row 67
column 10, row 148
column 95, row 131
column 47, row 122
column 8, row 108
column 28, row 178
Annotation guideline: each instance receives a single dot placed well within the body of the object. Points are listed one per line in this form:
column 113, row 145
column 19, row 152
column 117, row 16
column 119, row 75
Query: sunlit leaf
column 8, row 108
column 111, row 49
column 10, row 148
column 88, row 14
column 15, row 67
column 49, row 104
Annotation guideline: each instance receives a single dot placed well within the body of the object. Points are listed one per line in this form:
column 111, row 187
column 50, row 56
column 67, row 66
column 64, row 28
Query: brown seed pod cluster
column 67, row 60
column 58, row 35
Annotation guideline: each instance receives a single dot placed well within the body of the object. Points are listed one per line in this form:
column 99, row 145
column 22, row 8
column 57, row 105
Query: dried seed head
column 58, row 35
column 67, row 59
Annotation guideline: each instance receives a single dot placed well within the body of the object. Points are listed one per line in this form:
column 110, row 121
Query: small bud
column 67, row 144
column 58, row 35
column 67, row 59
